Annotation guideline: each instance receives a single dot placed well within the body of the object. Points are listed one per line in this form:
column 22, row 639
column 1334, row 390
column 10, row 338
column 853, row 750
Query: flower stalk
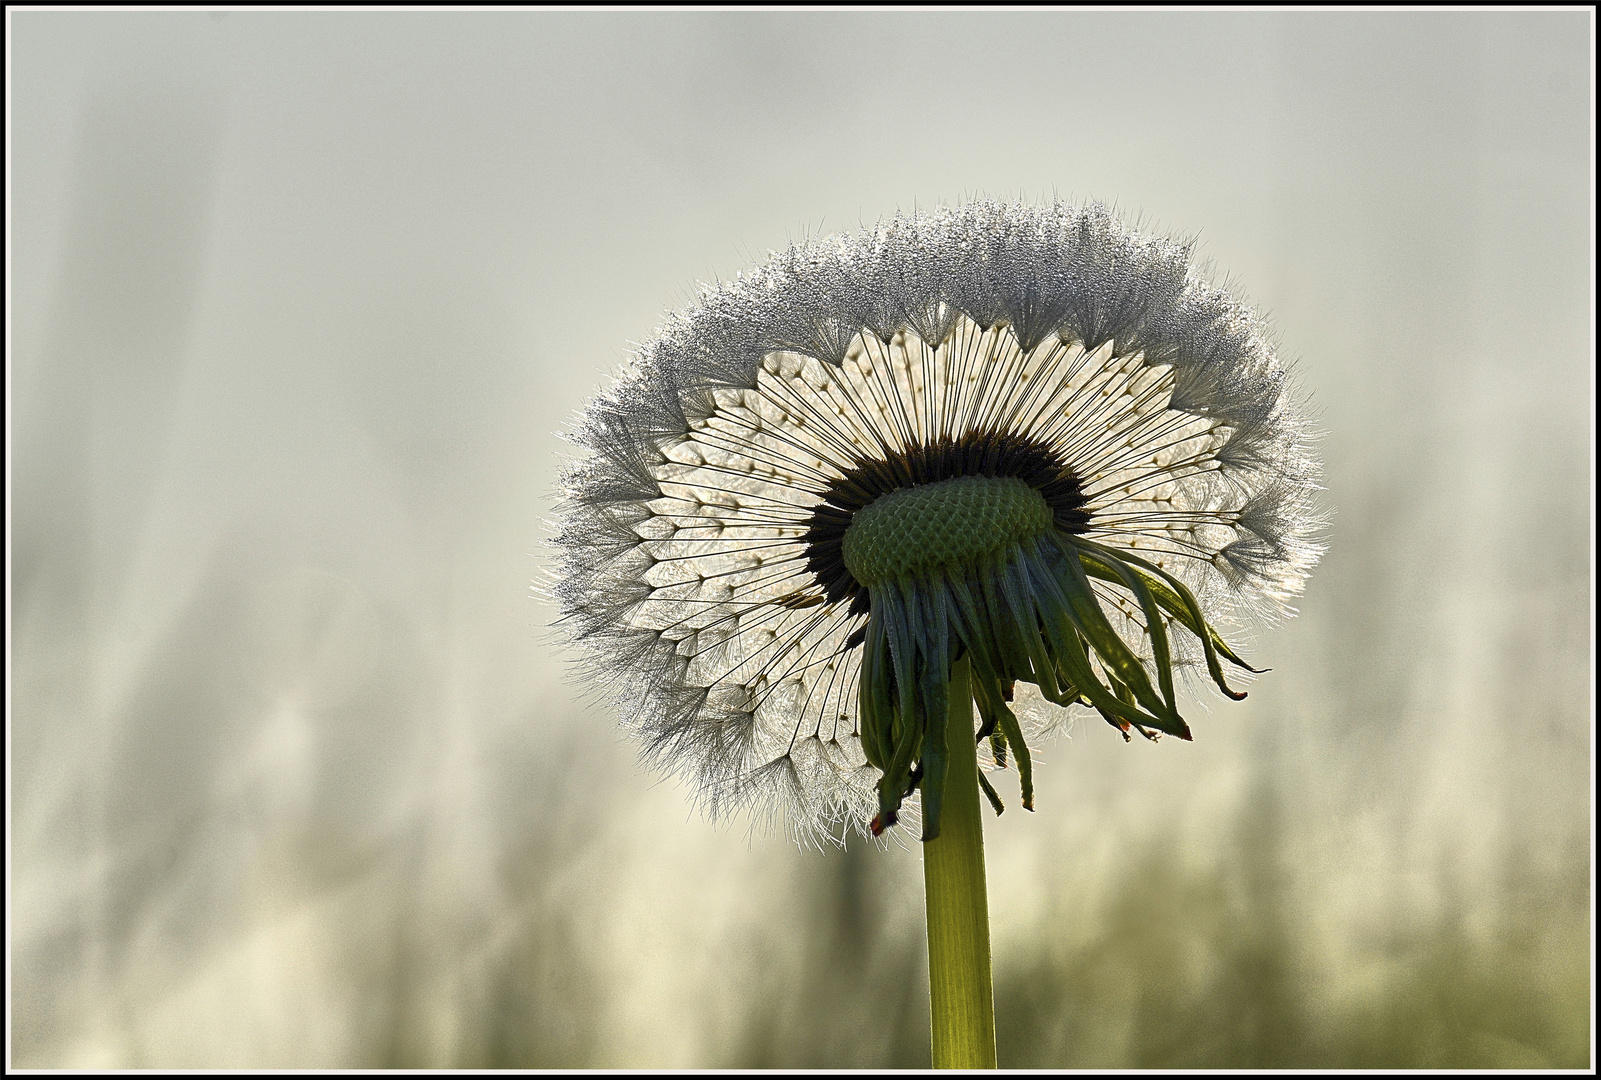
column 874, row 486
column 960, row 993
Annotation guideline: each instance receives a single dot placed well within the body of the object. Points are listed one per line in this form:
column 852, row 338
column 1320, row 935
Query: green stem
column 960, row 1000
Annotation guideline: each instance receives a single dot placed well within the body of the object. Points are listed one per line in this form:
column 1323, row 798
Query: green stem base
column 960, row 996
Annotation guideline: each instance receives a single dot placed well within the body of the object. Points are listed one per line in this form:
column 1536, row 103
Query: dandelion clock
column 839, row 509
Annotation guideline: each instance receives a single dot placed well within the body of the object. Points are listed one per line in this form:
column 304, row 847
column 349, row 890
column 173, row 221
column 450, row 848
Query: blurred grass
column 1215, row 970
column 415, row 954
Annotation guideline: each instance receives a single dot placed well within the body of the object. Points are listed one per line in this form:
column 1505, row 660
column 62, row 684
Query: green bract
column 1021, row 610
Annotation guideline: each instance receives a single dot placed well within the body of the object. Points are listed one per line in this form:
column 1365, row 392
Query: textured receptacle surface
column 914, row 530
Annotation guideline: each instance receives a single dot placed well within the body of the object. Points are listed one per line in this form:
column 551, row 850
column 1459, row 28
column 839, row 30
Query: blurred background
column 298, row 303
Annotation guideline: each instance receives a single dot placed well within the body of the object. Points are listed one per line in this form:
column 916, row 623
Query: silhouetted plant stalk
column 961, row 999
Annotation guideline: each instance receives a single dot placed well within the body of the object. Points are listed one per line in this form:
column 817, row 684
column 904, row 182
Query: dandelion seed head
column 1030, row 436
